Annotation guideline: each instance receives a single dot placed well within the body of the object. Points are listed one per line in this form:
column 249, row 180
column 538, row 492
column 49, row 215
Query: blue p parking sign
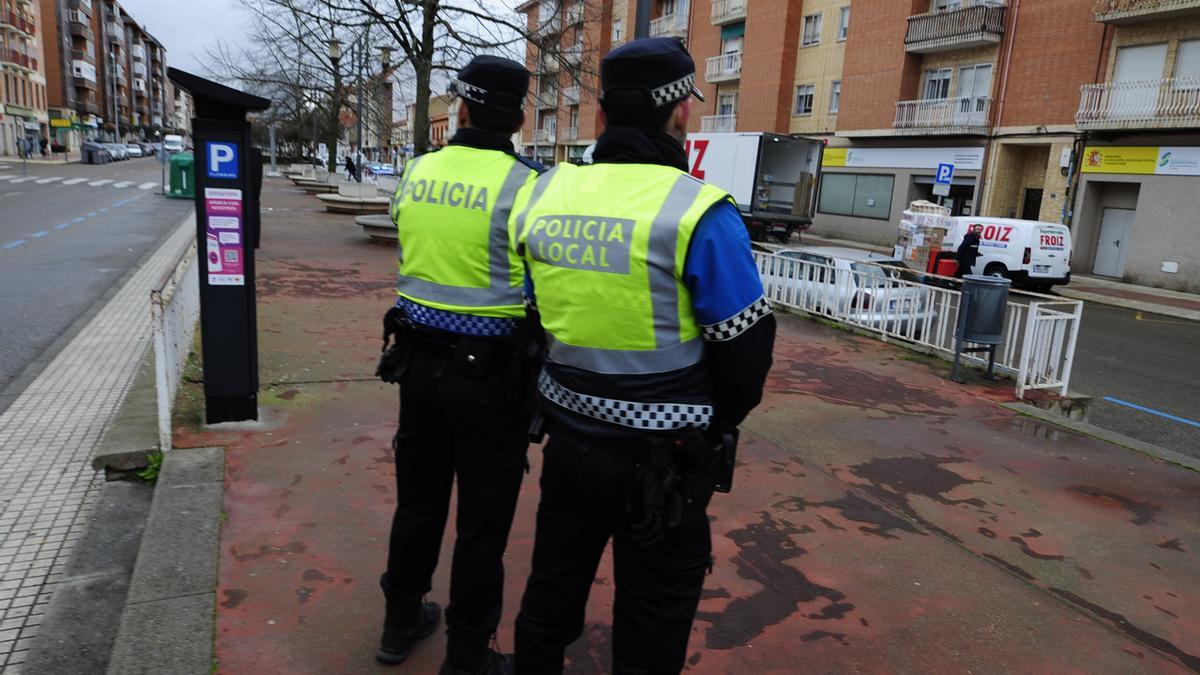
column 222, row 160
column 945, row 174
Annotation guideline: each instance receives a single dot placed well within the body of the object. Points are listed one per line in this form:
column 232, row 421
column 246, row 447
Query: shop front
column 1135, row 215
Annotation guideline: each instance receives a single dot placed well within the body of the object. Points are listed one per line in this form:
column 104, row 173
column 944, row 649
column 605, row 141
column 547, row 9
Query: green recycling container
column 183, row 176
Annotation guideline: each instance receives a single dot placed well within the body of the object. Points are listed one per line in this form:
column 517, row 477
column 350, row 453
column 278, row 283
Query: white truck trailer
column 772, row 177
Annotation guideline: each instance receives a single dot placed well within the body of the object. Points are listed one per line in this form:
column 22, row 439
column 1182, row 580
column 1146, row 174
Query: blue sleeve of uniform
column 719, row 270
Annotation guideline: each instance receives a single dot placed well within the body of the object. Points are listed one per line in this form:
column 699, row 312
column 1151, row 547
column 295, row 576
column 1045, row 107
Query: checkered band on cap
column 675, row 91
column 454, row 322
column 738, row 323
column 468, row 91
column 648, row 416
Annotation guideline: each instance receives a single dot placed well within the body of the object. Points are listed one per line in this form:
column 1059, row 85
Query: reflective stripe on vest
column 614, row 240
column 500, row 296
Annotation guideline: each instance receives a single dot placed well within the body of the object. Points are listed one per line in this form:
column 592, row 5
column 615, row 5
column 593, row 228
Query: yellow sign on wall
column 1130, row 160
column 834, row 157
column 56, row 122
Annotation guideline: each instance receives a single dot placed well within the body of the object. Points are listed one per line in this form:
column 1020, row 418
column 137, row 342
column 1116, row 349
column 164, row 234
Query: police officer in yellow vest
column 659, row 341
column 460, row 304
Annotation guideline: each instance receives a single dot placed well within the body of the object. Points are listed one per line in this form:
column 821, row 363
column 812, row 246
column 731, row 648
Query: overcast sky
column 187, row 28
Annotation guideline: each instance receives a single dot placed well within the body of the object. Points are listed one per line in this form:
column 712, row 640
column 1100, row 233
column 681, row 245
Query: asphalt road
column 68, row 234
column 1143, row 359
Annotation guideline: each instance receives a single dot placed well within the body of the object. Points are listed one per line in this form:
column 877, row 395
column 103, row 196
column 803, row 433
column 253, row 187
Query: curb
column 167, row 625
column 132, row 434
column 1112, row 301
column 1148, row 449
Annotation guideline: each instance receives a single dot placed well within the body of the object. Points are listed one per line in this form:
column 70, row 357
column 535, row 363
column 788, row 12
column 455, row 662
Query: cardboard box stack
column 923, row 228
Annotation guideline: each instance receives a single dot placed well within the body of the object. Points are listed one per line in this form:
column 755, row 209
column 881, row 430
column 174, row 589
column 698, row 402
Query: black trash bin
column 981, row 313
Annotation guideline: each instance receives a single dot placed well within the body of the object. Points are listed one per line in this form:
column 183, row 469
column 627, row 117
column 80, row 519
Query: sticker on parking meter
column 223, row 217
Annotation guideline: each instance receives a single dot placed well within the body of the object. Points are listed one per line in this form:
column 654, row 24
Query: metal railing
column 81, row 29
column 19, row 59
column 975, row 24
column 543, row 135
column 723, row 68
column 571, row 95
column 1039, row 335
column 1120, row 10
column 669, row 25
column 547, row 99
column 728, row 11
column 960, row 114
column 174, row 311
column 569, row 134
column 712, row 124
column 1168, row 102
column 19, row 22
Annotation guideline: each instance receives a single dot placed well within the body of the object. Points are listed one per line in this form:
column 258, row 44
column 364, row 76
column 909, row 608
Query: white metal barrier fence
column 1039, row 334
column 174, row 311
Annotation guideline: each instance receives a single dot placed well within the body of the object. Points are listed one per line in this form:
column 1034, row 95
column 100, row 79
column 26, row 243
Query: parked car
column 117, row 150
column 378, row 169
column 134, row 150
column 173, row 143
column 860, row 287
column 94, row 153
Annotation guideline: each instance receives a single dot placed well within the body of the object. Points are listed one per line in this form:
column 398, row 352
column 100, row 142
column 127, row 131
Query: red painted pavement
column 883, row 519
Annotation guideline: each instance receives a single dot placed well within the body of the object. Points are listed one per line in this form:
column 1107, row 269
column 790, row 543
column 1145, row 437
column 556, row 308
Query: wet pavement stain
column 304, row 594
column 986, row 532
column 822, row 634
column 268, row 550
column 879, row 521
column 315, row 575
column 923, row 476
column 233, row 597
column 295, row 278
column 289, row 394
column 1190, row 661
column 1142, row 512
column 763, row 551
column 1025, row 548
column 844, row 385
column 1172, row 545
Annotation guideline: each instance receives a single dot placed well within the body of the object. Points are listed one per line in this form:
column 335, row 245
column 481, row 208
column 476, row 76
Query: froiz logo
column 1165, row 160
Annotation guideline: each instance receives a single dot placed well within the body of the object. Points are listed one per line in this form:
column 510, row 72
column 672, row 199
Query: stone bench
column 356, row 199
column 379, row 228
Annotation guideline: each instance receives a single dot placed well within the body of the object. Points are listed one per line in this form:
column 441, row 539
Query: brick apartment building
column 23, row 112
column 106, row 75
column 1083, row 112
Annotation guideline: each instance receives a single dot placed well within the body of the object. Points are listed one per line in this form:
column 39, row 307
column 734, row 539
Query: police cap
column 492, row 81
column 647, row 74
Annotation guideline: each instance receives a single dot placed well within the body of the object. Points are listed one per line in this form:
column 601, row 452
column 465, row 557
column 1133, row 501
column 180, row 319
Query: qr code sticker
column 231, row 256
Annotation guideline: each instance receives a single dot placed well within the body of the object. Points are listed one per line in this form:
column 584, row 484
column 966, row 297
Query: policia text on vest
column 433, row 191
column 582, row 242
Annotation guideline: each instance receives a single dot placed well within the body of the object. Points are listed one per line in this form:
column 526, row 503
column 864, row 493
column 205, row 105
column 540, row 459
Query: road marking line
column 80, row 219
column 123, row 184
column 104, row 209
column 98, row 183
column 74, row 181
column 123, row 202
column 51, row 179
column 14, row 244
column 38, row 235
column 147, row 186
column 6, row 176
column 12, row 194
column 1152, row 411
column 23, row 179
column 62, row 226
column 91, row 214
column 1138, row 317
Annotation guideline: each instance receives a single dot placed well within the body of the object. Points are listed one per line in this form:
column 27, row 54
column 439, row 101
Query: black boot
column 494, row 663
column 399, row 631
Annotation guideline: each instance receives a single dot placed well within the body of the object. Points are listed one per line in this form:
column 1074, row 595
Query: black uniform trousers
column 463, row 428
column 585, row 486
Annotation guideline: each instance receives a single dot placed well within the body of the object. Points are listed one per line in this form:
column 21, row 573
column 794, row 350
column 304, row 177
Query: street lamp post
column 335, row 57
column 360, row 60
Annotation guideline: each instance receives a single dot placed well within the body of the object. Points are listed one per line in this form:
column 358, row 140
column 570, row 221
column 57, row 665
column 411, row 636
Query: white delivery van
column 173, row 143
column 773, row 178
column 1031, row 253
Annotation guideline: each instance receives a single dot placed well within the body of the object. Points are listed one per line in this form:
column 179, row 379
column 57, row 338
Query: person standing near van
column 968, row 251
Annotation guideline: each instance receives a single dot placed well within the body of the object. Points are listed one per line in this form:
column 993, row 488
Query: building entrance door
column 1115, row 229
column 1031, row 209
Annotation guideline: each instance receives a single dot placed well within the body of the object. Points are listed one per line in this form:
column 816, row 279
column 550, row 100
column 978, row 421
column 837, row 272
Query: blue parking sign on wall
column 945, row 174
column 222, row 160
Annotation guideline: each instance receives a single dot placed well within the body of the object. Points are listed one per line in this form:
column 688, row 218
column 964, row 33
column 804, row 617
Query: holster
column 398, row 341
column 529, row 345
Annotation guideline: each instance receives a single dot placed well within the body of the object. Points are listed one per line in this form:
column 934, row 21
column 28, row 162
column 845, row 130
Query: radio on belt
column 228, row 184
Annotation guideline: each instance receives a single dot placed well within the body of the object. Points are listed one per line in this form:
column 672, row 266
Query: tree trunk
column 423, row 66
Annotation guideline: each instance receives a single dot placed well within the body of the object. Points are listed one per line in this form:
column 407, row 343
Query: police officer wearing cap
column 459, row 310
column 659, row 341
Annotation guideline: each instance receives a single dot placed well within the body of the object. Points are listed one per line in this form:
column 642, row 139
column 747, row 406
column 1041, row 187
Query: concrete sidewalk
column 883, row 518
column 1130, row 296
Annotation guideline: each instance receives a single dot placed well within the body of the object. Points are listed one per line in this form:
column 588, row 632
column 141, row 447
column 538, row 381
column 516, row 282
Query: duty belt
column 648, row 416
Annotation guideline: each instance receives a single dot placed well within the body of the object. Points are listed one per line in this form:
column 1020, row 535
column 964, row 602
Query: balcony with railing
column 85, row 5
column 957, row 115
column 549, row 25
column 80, row 29
column 571, row 95
column 87, row 107
column 20, row 23
column 670, row 25
column 543, row 135
column 728, row 11
column 1131, row 11
column 575, row 14
column 84, row 55
column 19, row 59
column 548, row 63
column 723, row 68
column 1169, row 103
column 114, row 32
column 569, row 135
column 573, row 54
column 718, row 124
column 547, row 99
column 976, row 23
column 138, row 52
